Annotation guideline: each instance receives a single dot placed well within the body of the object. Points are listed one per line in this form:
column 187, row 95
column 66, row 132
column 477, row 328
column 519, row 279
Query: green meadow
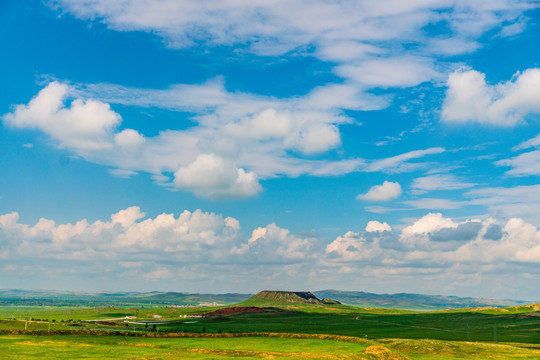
column 465, row 325
column 289, row 330
column 284, row 346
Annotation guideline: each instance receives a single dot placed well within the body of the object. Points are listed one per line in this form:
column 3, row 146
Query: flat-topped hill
column 268, row 298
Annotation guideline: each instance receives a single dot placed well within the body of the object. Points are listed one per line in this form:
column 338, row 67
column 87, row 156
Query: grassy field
column 119, row 347
column 280, row 346
column 512, row 333
column 511, row 326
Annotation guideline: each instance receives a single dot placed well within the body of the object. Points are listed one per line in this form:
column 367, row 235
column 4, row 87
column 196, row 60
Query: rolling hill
column 355, row 298
column 413, row 301
column 272, row 298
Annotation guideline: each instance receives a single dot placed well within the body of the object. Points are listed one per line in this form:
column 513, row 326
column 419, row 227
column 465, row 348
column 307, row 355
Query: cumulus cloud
column 470, row 98
column 433, row 232
column 435, row 242
column 246, row 137
column 276, row 245
column 351, row 247
column 384, row 192
column 375, row 226
column 428, row 224
column 129, row 237
column 155, row 248
column 205, row 248
column 214, row 177
column 85, row 125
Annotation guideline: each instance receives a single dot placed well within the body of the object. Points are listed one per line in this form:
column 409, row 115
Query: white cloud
column 214, row 177
column 275, row 244
column 384, row 192
column 84, row 126
column 351, row 247
column 205, row 249
column 424, row 184
column 129, row 140
column 523, row 165
column 398, row 163
column 428, row 224
column 375, row 226
column 517, row 201
column 265, row 125
column 390, row 72
column 128, row 237
column 343, row 31
column 470, row 98
column 255, row 133
column 533, row 142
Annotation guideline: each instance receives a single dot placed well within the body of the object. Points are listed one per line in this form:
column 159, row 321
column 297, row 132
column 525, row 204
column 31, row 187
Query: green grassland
column 119, row 347
column 277, row 346
column 466, row 325
column 347, row 332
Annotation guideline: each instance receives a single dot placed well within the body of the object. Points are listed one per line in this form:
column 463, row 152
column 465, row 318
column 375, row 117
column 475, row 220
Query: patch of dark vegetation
column 234, row 310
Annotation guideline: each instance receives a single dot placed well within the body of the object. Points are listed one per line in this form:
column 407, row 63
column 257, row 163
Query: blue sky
column 240, row 146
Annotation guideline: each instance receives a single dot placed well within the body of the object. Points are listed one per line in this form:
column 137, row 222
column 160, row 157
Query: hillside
column 265, row 298
column 290, row 298
column 413, row 301
column 71, row 298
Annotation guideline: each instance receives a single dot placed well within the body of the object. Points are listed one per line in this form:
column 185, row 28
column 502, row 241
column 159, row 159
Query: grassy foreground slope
column 199, row 347
column 276, row 346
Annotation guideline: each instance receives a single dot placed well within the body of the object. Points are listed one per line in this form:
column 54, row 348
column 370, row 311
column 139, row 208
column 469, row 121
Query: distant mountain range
column 413, row 301
column 10, row 297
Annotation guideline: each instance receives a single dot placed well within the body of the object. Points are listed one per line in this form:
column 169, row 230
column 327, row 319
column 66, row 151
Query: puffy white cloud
column 85, row 125
column 384, row 192
column 129, row 140
column 428, row 224
column 419, row 233
column 255, row 133
column 275, row 244
column 214, row 177
column 206, row 249
column 470, row 98
column 375, row 226
column 127, row 238
column 264, row 125
column 302, row 131
column 351, row 247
